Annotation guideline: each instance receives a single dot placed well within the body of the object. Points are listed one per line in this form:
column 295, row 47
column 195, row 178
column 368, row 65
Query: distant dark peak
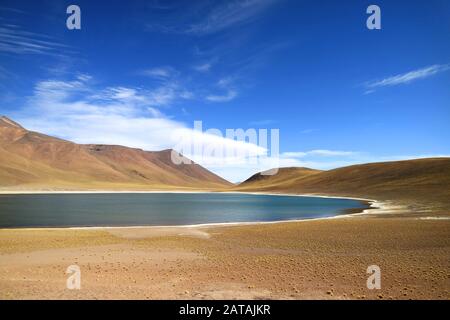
column 107, row 147
column 97, row 147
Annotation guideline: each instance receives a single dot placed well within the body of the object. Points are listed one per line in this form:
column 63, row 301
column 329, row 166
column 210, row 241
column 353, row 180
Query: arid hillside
column 31, row 160
column 34, row 161
column 419, row 179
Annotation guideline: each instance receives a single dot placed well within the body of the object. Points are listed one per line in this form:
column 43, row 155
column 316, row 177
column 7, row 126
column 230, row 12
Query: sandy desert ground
column 317, row 259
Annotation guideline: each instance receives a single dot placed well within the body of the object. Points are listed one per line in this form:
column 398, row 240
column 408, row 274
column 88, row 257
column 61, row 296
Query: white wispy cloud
column 227, row 15
column 209, row 17
column 14, row 10
column 15, row 40
column 82, row 111
column 407, row 77
column 5, row 73
column 161, row 73
column 204, row 67
column 175, row 84
column 225, row 84
column 319, row 152
column 228, row 96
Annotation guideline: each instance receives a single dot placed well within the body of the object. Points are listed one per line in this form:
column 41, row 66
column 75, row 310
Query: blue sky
column 138, row 71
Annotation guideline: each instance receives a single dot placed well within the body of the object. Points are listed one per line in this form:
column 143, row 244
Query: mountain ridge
column 417, row 179
column 35, row 160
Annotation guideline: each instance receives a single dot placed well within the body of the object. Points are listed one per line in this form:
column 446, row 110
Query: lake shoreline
column 370, row 207
column 12, row 192
column 321, row 258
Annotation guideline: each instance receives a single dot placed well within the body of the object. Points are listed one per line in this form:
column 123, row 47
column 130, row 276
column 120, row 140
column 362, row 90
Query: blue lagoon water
column 164, row 209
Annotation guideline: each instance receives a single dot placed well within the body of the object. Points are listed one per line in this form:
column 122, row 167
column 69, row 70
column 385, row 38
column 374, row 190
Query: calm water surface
column 139, row 209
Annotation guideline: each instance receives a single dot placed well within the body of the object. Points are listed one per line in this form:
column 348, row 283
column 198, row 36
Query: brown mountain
column 31, row 160
column 419, row 179
column 268, row 179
